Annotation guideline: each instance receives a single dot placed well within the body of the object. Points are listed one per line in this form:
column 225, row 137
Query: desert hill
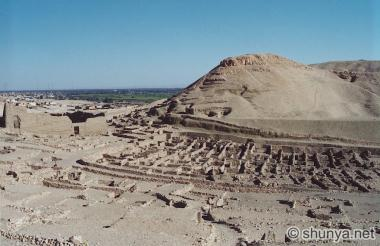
column 363, row 73
column 267, row 86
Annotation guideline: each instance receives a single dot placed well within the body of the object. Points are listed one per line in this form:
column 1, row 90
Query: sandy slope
column 270, row 86
column 363, row 73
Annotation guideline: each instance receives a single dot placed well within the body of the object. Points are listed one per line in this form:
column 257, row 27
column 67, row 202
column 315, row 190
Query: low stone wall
column 298, row 146
column 348, row 131
column 362, row 130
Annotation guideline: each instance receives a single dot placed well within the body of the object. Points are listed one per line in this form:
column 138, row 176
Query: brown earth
column 272, row 93
column 365, row 74
column 270, row 86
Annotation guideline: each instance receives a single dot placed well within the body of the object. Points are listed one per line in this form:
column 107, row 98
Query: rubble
column 147, row 174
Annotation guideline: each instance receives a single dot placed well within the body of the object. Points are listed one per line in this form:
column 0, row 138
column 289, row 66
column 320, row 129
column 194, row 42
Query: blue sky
column 68, row 44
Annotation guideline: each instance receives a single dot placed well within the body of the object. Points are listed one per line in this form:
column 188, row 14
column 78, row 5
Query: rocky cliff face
column 257, row 60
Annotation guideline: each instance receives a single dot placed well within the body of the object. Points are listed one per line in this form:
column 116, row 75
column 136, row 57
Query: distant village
column 48, row 100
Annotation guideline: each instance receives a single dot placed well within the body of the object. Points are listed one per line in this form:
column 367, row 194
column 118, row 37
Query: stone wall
column 93, row 126
column 44, row 123
column 342, row 130
column 2, row 117
column 362, row 130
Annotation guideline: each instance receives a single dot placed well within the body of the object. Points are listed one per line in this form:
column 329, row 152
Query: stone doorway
column 76, row 130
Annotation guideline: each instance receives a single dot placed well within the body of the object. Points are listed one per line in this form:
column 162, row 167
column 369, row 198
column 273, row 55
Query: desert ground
column 149, row 185
column 192, row 170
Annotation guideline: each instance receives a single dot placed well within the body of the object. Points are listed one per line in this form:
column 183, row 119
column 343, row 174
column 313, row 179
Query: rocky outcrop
column 257, row 60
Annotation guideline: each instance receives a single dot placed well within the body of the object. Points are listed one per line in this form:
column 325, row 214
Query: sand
column 149, row 184
column 256, row 146
column 270, row 86
column 363, row 73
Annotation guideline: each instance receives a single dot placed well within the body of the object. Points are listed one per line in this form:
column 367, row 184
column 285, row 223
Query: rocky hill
column 365, row 74
column 267, row 86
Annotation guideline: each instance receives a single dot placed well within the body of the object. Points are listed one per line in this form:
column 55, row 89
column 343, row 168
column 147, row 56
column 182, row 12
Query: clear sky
column 68, row 44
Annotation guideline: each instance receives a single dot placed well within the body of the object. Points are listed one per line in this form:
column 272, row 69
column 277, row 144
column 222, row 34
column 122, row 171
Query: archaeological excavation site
column 257, row 145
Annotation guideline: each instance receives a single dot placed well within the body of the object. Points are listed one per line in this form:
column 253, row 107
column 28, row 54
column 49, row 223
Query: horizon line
column 78, row 89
